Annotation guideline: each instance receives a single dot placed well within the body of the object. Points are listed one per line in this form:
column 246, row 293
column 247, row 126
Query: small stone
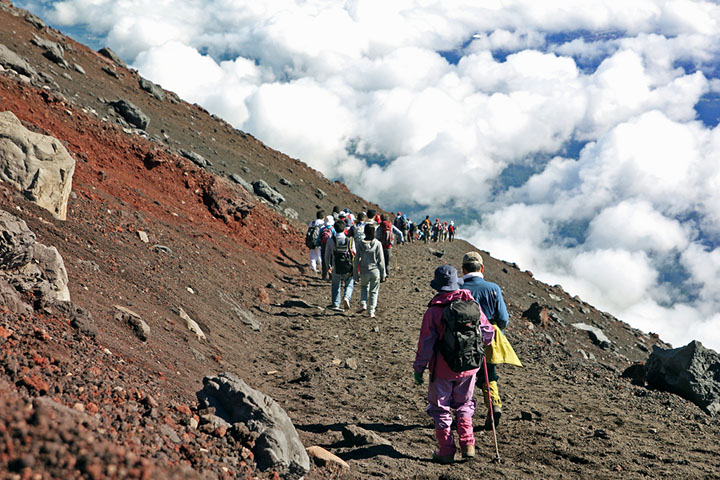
column 322, row 457
column 143, row 236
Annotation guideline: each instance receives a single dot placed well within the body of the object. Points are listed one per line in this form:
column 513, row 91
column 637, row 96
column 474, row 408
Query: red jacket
column 432, row 328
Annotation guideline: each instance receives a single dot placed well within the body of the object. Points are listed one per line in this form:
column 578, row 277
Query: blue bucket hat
column 446, row 279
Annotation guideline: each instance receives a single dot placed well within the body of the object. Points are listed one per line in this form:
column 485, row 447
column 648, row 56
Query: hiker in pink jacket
column 447, row 390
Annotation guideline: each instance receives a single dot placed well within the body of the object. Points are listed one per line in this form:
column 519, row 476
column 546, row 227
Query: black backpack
column 461, row 345
column 312, row 237
column 343, row 257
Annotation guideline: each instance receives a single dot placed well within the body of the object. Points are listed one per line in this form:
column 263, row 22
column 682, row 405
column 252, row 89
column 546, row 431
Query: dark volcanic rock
column 132, row 114
column 107, row 52
column 151, row 88
column 12, row 60
column 278, row 445
column 262, row 189
column 537, row 314
column 692, row 372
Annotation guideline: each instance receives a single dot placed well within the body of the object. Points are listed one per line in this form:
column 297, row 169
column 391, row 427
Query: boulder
column 262, row 189
column 278, row 445
column 357, row 437
column 16, row 242
column 55, row 55
column 151, row 88
column 52, row 269
column 692, row 371
column 108, row 53
column 140, row 328
column 10, row 298
column 324, row 458
column 292, row 214
column 37, row 165
column 537, row 314
column 242, row 182
column 30, row 266
column 13, row 61
column 196, row 158
column 132, row 114
column 596, row 335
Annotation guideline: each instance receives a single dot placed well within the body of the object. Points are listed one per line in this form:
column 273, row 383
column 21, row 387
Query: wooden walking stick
column 492, row 417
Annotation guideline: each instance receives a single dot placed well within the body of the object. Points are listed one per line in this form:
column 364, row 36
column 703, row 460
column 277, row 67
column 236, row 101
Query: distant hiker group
column 349, row 250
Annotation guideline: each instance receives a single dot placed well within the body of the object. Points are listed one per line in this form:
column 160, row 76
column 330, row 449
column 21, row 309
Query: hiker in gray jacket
column 369, row 269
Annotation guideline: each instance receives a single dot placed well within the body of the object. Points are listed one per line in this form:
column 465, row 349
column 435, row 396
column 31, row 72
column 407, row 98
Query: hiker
column 327, row 231
column 312, row 242
column 490, row 298
column 357, row 230
column 386, row 234
column 369, row 269
column 451, row 231
column 401, row 223
column 412, row 231
column 339, row 258
column 335, row 212
column 436, row 230
column 448, row 389
column 425, row 228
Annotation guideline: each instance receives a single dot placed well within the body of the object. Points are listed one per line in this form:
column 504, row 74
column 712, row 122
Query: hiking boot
column 345, row 304
column 443, row 459
column 336, row 308
column 496, row 416
column 468, row 451
column 362, row 308
column 372, row 314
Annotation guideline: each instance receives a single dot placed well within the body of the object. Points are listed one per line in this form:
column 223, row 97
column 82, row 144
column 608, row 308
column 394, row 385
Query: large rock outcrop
column 278, row 445
column 692, row 371
column 30, row 267
column 37, row 165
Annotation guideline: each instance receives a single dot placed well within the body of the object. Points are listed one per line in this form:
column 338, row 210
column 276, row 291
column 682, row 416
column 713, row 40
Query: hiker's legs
column 494, row 391
column 494, row 398
column 349, row 284
column 387, row 254
column 323, row 270
column 439, row 397
column 372, row 280
column 464, row 404
column 315, row 261
column 335, row 288
column 364, row 287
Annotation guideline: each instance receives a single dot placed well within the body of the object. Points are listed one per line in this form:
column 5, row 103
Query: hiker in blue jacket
column 490, row 298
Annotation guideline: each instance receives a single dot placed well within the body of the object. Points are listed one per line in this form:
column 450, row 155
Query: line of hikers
column 461, row 329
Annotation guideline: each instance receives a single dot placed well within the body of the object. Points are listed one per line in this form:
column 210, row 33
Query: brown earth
column 113, row 406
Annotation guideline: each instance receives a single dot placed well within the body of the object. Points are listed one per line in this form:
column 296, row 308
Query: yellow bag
column 500, row 350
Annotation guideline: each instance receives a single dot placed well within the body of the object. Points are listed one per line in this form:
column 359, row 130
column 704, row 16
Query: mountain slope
column 113, row 405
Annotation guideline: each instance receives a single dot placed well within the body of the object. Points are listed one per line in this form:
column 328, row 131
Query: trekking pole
column 492, row 417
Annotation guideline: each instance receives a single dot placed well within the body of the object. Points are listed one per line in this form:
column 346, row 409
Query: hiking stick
column 492, row 417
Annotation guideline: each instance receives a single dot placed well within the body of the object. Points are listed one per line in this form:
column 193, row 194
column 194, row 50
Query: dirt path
column 564, row 417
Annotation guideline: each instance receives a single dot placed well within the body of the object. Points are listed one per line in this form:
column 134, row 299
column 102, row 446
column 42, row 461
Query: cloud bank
column 569, row 138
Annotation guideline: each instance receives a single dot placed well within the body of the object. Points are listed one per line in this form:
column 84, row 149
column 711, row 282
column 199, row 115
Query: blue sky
column 578, row 139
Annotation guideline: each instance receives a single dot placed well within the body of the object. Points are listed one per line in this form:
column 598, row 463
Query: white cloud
column 335, row 83
column 633, row 225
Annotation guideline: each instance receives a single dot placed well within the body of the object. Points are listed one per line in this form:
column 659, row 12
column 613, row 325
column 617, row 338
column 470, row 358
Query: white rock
column 38, row 165
column 192, row 325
